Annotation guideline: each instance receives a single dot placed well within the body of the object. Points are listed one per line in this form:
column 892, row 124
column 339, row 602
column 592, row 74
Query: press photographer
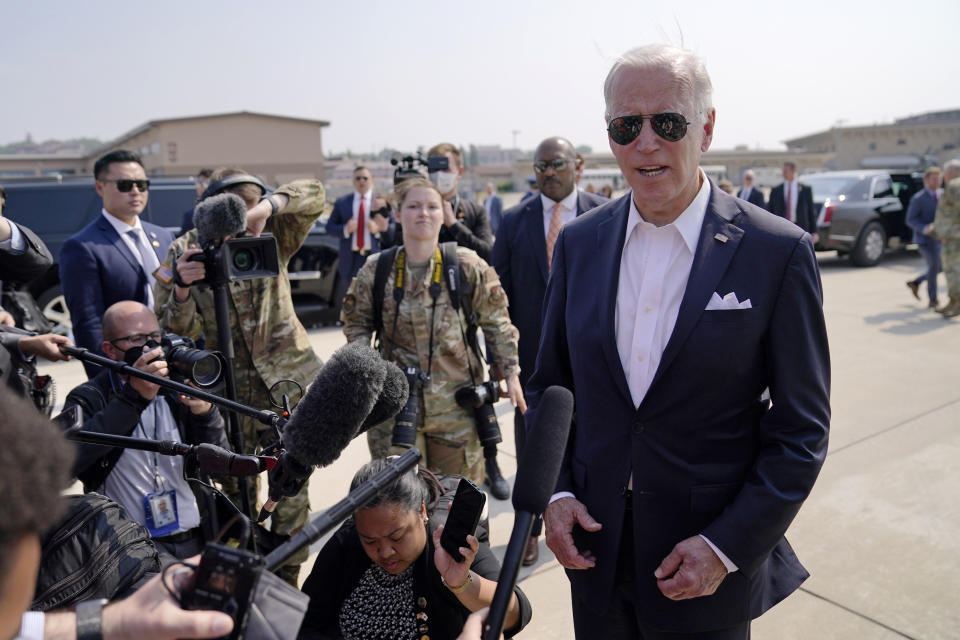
column 428, row 330
column 269, row 343
column 151, row 487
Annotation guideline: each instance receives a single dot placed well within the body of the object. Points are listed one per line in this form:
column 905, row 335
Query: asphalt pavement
column 879, row 532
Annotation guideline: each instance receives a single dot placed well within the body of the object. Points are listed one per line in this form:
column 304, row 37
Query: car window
column 838, row 188
column 882, row 187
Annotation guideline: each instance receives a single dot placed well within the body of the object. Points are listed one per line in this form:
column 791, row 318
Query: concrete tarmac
column 879, row 532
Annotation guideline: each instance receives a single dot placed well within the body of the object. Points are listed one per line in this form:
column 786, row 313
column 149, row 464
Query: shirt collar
column 364, row 195
column 569, row 203
column 118, row 224
column 688, row 223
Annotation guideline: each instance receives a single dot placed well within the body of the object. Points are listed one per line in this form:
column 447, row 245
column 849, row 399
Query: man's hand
column 691, row 570
column 815, row 236
column 197, row 406
column 473, row 627
column 189, row 271
column 448, row 218
column 351, row 226
column 46, row 346
column 6, row 319
column 559, row 518
column 515, row 393
column 157, row 367
column 151, row 613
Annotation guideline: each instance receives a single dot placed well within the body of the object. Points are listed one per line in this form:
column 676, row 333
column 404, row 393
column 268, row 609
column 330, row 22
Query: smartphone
column 69, row 418
column 463, row 518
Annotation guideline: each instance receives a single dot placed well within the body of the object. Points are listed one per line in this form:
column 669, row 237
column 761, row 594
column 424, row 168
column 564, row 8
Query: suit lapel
column 710, row 262
column 533, row 221
column 154, row 239
column 610, row 240
column 118, row 242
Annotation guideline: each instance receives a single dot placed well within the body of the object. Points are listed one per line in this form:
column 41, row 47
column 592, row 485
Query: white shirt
column 15, row 244
column 367, row 198
column 745, row 193
column 568, row 210
column 791, row 189
column 122, row 228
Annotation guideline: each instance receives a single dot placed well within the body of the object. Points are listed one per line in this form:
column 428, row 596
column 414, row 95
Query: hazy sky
column 405, row 73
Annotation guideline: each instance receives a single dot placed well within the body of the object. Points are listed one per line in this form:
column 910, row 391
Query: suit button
column 638, row 427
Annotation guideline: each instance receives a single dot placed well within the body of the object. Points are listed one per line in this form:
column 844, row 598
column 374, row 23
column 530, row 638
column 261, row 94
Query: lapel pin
column 156, row 244
column 153, row 235
column 720, row 237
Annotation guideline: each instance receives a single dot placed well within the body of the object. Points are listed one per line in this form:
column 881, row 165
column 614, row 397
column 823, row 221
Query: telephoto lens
column 405, row 424
column 488, row 429
column 203, row 368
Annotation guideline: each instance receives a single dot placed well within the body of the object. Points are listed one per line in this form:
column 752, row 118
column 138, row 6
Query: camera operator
column 269, row 342
column 426, row 335
column 151, row 487
column 464, row 221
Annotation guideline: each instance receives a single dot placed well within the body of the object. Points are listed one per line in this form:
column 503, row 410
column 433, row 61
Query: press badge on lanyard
column 160, row 509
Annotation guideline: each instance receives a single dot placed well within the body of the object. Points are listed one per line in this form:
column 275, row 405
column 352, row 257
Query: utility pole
column 515, row 132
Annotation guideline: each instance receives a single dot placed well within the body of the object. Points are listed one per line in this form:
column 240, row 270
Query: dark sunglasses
column 669, row 126
column 124, row 186
column 558, row 165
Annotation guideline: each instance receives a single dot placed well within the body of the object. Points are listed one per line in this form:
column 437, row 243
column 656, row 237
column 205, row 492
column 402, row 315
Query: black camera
column 415, row 165
column 405, row 424
column 186, row 362
column 239, row 259
column 225, row 581
column 481, row 399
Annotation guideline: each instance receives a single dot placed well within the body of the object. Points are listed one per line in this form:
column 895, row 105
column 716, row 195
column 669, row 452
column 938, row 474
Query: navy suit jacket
column 806, row 216
column 341, row 215
column 520, row 258
column 97, row 269
column 921, row 212
column 756, row 197
column 707, row 456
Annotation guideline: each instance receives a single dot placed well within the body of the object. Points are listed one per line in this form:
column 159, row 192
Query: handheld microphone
column 537, row 472
column 331, row 414
column 220, row 216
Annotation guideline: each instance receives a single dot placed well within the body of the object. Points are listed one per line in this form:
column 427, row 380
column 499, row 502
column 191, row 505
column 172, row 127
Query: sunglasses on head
column 557, row 165
column 669, row 126
column 124, row 185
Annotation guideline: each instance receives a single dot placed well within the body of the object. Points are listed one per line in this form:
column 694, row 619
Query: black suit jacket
column 756, row 197
column 806, row 216
column 706, row 455
column 32, row 263
column 520, row 258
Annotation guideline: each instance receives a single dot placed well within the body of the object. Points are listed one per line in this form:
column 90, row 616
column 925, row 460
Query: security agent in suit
column 920, row 215
column 748, row 192
column 494, row 206
column 114, row 257
column 799, row 197
column 359, row 238
column 464, row 221
column 521, row 255
column 668, row 313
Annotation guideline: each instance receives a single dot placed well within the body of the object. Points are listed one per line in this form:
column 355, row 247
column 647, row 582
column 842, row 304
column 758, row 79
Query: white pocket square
column 727, row 303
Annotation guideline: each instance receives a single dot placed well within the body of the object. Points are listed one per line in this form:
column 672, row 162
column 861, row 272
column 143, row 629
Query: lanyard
column 436, row 281
column 157, row 480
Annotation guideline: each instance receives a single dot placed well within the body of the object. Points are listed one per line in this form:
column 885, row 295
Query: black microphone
column 331, row 414
column 536, row 480
column 220, row 216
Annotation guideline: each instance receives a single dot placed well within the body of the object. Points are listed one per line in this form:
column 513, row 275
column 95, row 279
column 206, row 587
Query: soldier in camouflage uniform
column 446, row 433
column 946, row 228
column 269, row 342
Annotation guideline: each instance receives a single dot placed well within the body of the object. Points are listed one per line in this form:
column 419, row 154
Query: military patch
column 164, row 274
column 349, row 303
column 497, row 296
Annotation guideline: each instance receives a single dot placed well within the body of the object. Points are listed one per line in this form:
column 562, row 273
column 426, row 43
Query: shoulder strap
column 461, row 294
column 384, row 264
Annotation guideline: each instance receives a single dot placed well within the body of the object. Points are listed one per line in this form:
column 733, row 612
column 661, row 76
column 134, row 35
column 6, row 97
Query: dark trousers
column 622, row 620
column 520, row 439
column 182, row 545
column 931, row 254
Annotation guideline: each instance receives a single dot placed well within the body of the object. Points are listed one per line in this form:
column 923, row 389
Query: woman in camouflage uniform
column 428, row 333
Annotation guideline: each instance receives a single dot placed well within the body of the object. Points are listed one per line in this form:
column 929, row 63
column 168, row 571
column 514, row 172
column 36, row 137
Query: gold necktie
column 553, row 233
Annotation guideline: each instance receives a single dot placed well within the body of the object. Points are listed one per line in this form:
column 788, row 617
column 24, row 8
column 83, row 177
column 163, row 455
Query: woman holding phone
column 385, row 570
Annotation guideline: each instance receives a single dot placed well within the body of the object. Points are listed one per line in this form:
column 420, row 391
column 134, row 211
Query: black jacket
column 26, row 266
column 118, row 412
column 342, row 562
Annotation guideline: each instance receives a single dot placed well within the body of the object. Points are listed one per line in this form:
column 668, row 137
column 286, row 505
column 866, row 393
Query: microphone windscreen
column 392, row 398
column 336, row 404
column 220, row 216
column 539, row 465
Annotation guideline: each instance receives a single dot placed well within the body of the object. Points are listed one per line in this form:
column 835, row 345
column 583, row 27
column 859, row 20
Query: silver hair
column 749, row 174
column 952, row 166
column 686, row 66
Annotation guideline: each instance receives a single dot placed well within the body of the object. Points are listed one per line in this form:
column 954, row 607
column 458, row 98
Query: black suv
column 56, row 209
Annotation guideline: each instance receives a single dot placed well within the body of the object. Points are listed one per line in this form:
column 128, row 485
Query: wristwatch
column 90, row 619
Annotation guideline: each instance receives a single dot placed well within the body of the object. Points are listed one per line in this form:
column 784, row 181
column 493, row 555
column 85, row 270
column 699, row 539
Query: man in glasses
column 114, row 257
column 151, row 487
column 522, row 256
column 669, row 312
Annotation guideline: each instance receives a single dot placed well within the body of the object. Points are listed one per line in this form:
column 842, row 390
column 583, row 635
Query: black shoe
column 914, row 289
column 498, row 486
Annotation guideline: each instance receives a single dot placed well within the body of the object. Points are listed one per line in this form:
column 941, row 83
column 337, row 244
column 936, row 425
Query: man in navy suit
column 920, row 214
column 750, row 193
column 793, row 200
column 114, row 257
column 521, row 255
column 670, row 313
column 360, row 220
column 494, row 206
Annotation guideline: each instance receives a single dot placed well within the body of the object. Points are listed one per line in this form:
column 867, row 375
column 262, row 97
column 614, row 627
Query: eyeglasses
column 557, row 165
column 124, row 185
column 669, row 126
column 138, row 339
column 364, row 178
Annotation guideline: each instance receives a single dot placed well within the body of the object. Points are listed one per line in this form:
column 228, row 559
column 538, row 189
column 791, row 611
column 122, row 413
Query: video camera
column 239, row 259
column 415, row 165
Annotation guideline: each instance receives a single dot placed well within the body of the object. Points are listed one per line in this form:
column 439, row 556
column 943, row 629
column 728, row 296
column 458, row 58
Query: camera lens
column 206, row 371
column 244, row 260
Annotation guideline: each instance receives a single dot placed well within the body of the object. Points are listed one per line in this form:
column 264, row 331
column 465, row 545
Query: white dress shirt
column 568, row 210
column 122, row 228
column 791, row 189
column 367, row 200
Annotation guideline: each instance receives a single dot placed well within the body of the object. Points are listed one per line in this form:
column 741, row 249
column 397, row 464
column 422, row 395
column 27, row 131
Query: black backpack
column 95, row 551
